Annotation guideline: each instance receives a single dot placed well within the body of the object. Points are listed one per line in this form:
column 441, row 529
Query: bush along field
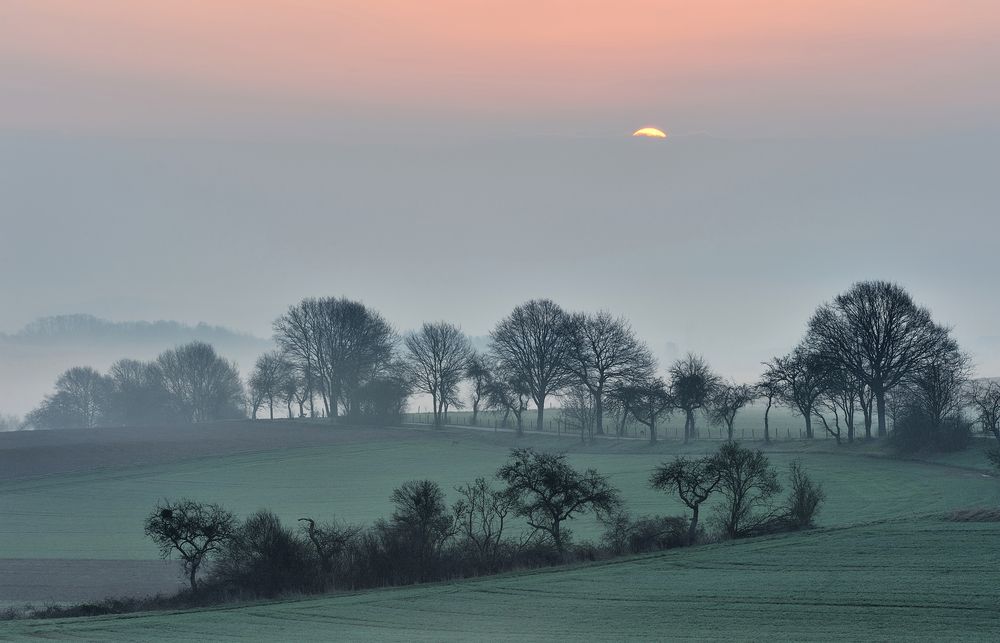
column 518, row 518
column 754, row 552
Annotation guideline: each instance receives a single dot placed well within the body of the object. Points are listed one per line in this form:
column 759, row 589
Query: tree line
column 518, row 520
column 870, row 358
column 187, row 384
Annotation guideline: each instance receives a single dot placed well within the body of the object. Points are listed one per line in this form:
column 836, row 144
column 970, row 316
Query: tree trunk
column 880, row 402
column 693, row 529
column 729, row 429
column 599, row 410
column 191, row 578
column 475, row 413
column 557, row 537
column 270, row 408
column 541, row 414
column 434, row 408
column 809, row 425
column 767, row 427
column 652, row 430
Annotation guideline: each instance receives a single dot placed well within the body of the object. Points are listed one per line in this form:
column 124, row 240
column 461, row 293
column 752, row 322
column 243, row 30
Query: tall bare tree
column 480, row 376
column 940, row 385
column 803, row 377
column 692, row 384
column 877, row 333
column 984, row 396
column 508, row 393
column 727, row 400
column 532, row 344
column 647, row 401
column 437, row 357
column 295, row 332
column 268, row 379
column 202, row 385
column 340, row 345
column 840, row 396
column 603, row 351
column 771, row 389
column 81, row 400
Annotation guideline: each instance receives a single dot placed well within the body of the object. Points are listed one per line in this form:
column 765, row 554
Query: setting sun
column 650, row 132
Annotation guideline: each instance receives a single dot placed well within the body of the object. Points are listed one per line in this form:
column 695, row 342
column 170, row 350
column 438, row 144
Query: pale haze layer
column 447, row 160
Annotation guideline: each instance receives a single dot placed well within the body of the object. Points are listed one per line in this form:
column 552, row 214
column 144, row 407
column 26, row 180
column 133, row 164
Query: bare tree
column 604, row 351
column 138, row 396
column 692, row 384
column 548, row 491
column 481, row 516
column 939, row 386
column 202, row 385
column 839, row 396
column 191, row 529
column 748, row 483
column 479, row 374
column 692, row 480
column 803, row 378
column 646, row 401
column 329, row 540
column 508, row 393
column 532, row 344
column 984, row 396
column 877, row 333
column 436, row 360
column 340, row 345
column 295, row 332
column 727, row 400
column 579, row 411
column 81, row 400
column 771, row 389
column 268, row 379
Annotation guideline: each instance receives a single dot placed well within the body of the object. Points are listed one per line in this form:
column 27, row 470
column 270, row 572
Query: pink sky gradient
column 732, row 66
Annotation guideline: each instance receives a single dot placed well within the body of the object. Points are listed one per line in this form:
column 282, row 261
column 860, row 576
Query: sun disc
column 650, row 132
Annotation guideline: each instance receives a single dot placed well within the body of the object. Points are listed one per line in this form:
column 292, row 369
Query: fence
column 632, row 430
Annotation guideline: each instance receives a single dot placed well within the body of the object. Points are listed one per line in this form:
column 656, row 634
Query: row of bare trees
column 869, row 354
column 186, row 384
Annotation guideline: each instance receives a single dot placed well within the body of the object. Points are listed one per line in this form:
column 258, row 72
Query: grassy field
column 877, row 535
column 913, row 579
column 98, row 514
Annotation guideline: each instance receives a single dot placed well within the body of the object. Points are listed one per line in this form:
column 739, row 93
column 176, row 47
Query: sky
column 217, row 161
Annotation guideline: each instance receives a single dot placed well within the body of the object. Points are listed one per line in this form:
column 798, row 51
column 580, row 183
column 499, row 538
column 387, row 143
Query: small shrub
column 647, row 533
column 264, row 558
column 915, row 431
column 804, row 498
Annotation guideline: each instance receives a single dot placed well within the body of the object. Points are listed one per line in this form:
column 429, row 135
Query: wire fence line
column 632, row 430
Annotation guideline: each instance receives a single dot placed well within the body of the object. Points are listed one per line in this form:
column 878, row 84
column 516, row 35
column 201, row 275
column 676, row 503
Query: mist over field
column 722, row 246
column 499, row 320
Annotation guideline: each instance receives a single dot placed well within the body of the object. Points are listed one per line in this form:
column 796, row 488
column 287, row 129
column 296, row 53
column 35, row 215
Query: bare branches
column 692, row 383
column 532, row 345
column 879, row 335
column 436, row 361
column 605, row 352
column 726, row 402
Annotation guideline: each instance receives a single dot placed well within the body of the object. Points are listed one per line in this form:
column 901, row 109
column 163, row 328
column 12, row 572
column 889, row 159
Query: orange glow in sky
column 70, row 62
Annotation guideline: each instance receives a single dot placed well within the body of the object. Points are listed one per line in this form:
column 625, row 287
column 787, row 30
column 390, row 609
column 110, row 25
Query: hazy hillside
column 31, row 358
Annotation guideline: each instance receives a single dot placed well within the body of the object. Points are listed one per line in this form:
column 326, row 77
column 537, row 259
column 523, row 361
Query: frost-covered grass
column 99, row 514
column 918, row 578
